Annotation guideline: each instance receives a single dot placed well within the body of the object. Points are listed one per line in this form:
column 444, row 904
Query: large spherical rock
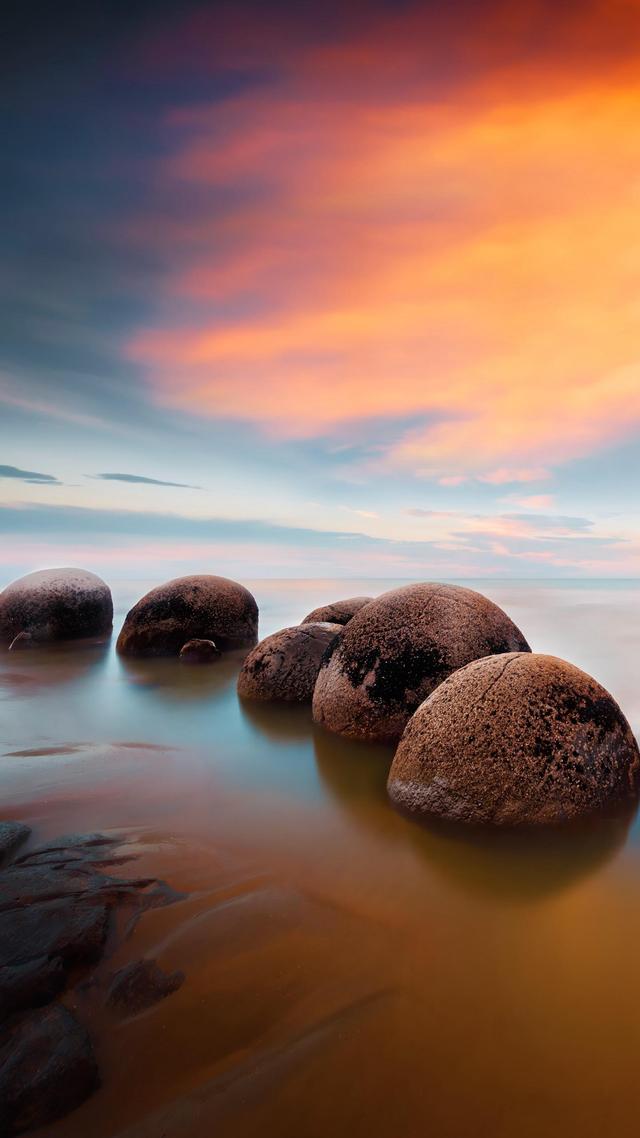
column 285, row 666
column 397, row 649
column 55, row 604
column 190, row 608
column 516, row 740
column 339, row 612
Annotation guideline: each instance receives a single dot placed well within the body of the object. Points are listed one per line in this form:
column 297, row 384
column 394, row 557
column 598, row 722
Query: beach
column 346, row 971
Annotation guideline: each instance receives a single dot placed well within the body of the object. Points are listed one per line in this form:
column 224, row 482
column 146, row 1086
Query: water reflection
column 50, row 665
column 286, row 723
column 180, row 683
column 512, row 865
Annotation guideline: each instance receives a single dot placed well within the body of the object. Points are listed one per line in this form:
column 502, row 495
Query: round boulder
column 285, row 665
column 199, row 652
column 516, row 740
column 340, row 612
column 397, row 649
column 55, row 604
column 190, row 608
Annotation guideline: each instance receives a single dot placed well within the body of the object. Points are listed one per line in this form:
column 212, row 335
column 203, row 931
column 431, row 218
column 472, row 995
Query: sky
column 312, row 290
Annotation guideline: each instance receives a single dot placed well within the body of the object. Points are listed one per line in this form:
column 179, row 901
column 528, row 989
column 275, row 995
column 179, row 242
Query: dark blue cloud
column 27, row 475
column 139, row 478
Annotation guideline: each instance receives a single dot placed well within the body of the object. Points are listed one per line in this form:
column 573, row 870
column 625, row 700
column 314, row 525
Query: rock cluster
column 55, row 604
column 285, row 665
column 57, row 906
column 516, row 740
column 397, row 649
column 190, row 608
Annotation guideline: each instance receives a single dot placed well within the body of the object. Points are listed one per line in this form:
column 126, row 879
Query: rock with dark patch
column 516, row 740
column 141, row 984
column 190, row 608
column 339, row 612
column 285, row 665
column 47, row 1068
column 397, row 649
column 55, row 604
column 199, row 652
column 12, row 835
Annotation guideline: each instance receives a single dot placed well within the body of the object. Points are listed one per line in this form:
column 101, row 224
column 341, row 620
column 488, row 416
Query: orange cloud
column 469, row 260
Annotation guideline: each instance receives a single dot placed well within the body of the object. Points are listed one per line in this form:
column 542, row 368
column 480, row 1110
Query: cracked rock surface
column 516, row 740
column 285, row 665
column 396, row 651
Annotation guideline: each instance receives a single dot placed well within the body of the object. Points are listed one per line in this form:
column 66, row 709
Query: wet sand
column 346, row 971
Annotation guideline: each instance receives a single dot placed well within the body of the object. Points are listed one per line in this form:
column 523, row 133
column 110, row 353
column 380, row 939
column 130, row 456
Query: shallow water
column 347, row 972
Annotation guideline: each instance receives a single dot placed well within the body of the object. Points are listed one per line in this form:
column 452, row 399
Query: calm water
column 347, row 972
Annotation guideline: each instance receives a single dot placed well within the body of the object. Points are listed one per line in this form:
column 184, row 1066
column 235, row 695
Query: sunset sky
column 322, row 289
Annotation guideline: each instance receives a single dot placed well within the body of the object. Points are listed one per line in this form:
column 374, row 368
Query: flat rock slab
column 47, row 1068
column 141, row 984
column 55, row 914
column 12, row 835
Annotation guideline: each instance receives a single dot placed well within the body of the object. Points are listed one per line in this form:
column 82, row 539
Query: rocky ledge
column 61, row 911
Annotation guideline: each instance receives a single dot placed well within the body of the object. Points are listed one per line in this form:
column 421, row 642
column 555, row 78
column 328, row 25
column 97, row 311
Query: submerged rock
column 47, row 1068
column 55, row 604
column 56, row 906
column 285, row 665
column 141, row 984
column 190, row 608
column 516, row 740
column 199, row 652
column 397, row 649
column 12, row 835
column 338, row 612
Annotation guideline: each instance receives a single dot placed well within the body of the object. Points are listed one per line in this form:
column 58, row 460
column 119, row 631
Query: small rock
column 516, row 740
column 55, row 604
column 47, row 1068
column 285, row 666
column 199, row 652
column 199, row 607
column 397, row 649
column 139, row 985
column 12, row 835
column 339, row 612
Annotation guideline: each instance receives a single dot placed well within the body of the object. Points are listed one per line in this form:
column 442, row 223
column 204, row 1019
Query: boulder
column 190, row 608
column 397, row 649
column 199, row 652
column 339, row 612
column 285, row 665
column 55, row 604
column 47, row 1068
column 516, row 740
column 12, row 835
column 141, row 984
